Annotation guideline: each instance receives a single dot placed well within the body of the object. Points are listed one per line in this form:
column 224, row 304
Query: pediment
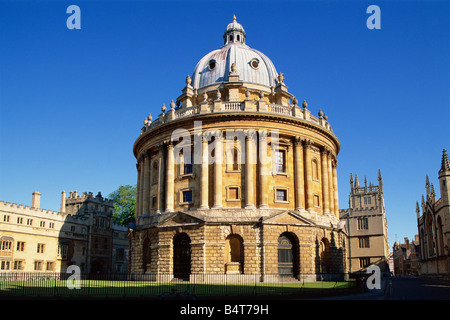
column 180, row 219
column 289, row 217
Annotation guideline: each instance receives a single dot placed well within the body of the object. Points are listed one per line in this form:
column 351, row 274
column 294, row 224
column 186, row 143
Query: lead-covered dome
column 252, row 66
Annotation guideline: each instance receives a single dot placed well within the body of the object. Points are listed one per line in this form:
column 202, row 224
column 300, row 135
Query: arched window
column 430, row 235
column 233, row 163
column 315, row 170
column 155, row 172
column 440, row 236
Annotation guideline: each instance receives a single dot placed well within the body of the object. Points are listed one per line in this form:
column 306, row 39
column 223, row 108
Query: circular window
column 212, row 64
column 254, row 63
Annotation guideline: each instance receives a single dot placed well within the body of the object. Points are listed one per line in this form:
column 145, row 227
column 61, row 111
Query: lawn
column 148, row 289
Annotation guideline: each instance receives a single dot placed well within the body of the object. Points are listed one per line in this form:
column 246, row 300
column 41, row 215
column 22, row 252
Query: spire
column 357, row 185
column 234, row 17
column 417, row 209
column 351, row 183
column 427, row 185
column 445, row 165
column 380, row 181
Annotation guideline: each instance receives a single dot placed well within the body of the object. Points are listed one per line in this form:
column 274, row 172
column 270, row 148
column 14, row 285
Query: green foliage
column 124, row 199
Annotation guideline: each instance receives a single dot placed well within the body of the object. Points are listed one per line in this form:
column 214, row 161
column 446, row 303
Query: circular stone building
column 235, row 178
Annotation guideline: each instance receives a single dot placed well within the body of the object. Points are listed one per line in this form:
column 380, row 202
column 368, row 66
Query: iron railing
column 154, row 286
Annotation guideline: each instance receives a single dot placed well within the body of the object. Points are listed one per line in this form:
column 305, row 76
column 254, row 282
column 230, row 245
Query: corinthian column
column 308, row 169
column 263, row 163
column 170, row 179
column 325, row 180
column 218, row 153
column 330, row 184
column 299, row 180
column 335, row 187
column 249, row 164
column 204, row 205
column 146, row 185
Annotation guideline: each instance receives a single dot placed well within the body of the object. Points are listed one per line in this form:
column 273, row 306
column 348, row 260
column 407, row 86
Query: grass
column 147, row 289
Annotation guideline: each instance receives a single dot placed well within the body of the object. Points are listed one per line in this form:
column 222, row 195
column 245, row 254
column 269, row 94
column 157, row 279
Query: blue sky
column 72, row 102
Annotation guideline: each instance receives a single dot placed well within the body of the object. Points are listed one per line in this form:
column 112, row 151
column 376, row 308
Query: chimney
column 63, row 202
column 36, row 200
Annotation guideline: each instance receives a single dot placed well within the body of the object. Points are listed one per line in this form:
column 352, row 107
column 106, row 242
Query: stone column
column 160, row 174
column 330, row 183
column 335, row 186
column 308, row 175
column 249, row 163
column 170, row 179
column 204, row 204
column 218, row 152
column 299, row 180
column 325, row 180
column 146, row 185
column 141, row 184
column 263, row 170
column 138, row 189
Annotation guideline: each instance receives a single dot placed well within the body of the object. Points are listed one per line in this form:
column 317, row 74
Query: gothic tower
column 366, row 225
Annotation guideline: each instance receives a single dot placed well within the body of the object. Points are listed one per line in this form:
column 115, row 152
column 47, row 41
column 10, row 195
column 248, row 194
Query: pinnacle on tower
column 445, row 165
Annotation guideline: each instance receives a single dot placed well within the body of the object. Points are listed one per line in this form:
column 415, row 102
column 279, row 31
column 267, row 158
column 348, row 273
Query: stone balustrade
column 260, row 106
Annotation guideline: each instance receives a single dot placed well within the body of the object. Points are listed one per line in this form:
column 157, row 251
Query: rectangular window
column 42, row 224
column 364, row 262
column 280, row 161
column 19, row 220
column 316, row 201
column 281, row 195
column 187, row 196
column 62, row 251
column 20, row 246
column 18, row 265
column 40, row 248
column 50, row 266
column 5, row 245
column 363, row 223
column 364, row 242
column 367, row 200
column 37, row 265
column 5, row 218
column 4, row 265
column 29, row 222
column 233, row 193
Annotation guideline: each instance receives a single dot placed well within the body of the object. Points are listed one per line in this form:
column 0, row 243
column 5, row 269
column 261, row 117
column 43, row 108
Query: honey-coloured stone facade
column 236, row 178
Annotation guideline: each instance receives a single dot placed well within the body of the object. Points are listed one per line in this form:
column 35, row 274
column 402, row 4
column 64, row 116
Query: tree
column 124, row 200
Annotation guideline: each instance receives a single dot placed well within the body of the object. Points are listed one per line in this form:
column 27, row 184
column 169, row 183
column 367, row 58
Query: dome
column 252, row 66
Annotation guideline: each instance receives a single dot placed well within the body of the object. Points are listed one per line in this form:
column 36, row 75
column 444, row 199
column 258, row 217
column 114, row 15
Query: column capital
column 298, row 141
column 307, row 143
column 250, row 134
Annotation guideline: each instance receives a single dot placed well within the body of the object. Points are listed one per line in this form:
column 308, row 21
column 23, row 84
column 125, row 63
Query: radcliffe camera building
column 235, row 177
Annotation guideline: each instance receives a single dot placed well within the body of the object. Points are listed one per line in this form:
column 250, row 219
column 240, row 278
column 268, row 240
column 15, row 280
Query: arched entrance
column 287, row 256
column 182, row 256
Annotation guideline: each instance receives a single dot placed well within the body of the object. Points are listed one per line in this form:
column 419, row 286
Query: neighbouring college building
column 81, row 233
column 236, row 178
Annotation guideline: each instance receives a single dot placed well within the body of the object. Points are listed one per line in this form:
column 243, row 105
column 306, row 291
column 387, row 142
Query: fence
column 151, row 286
